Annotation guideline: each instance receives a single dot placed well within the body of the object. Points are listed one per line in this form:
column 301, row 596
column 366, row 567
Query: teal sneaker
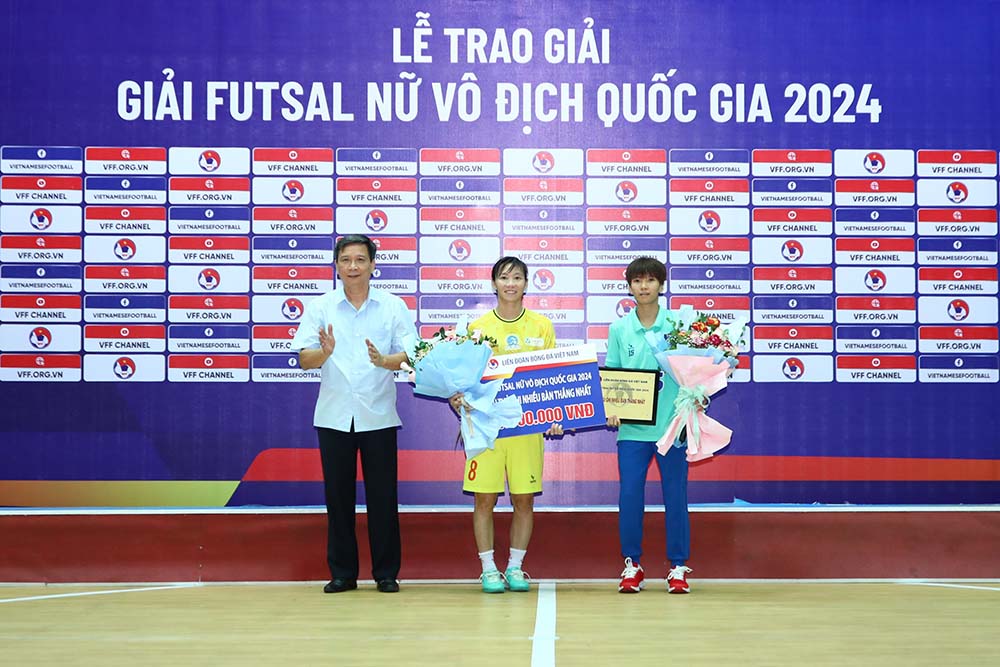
column 517, row 579
column 492, row 581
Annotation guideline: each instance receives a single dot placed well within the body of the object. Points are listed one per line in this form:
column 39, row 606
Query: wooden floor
column 719, row 623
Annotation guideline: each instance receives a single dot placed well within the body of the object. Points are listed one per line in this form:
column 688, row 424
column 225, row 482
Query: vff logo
column 124, row 368
column 958, row 309
column 209, row 160
column 543, row 162
column 125, row 249
column 292, row 309
column 41, row 219
column 874, row 162
column 626, row 191
column 543, row 279
column 376, row 220
column 793, row 368
column 459, row 250
column 209, row 279
column 293, row 190
column 624, row 307
column 40, row 338
column 792, row 250
column 875, row 280
column 709, row 221
column 957, row 192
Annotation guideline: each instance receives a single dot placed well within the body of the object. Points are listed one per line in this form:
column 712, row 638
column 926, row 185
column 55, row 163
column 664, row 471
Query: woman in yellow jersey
column 516, row 330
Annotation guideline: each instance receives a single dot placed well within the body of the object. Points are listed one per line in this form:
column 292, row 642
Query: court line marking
column 86, row 593
column 543, row 641
column 475, row 582
column 940, row 585
column 467, row 509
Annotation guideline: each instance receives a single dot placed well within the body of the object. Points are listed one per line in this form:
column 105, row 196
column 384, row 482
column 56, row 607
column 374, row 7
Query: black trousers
column 339, row 454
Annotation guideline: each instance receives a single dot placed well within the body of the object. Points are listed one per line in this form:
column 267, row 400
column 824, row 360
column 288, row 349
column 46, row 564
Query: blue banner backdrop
column 828, row 170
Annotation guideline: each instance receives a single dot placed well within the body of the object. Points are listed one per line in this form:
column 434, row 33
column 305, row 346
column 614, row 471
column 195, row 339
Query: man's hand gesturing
column 326, row 340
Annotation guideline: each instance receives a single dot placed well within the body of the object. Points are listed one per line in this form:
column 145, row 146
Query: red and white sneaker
column 633, row 578
column 677, row 580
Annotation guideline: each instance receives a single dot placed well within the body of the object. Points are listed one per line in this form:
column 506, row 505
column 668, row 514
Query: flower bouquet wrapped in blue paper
column 699, row 354
column 453, row 361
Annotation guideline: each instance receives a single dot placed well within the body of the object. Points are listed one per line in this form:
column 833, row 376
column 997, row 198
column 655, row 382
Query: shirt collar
column 661, row 316
column 374, row 295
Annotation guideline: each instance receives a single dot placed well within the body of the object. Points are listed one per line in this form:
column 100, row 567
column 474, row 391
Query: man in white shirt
column 342, row 333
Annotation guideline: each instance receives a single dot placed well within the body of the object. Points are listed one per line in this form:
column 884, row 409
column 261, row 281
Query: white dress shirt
column 350, row 386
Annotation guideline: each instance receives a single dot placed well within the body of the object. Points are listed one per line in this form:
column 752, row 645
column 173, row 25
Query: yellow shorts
column 520, row 456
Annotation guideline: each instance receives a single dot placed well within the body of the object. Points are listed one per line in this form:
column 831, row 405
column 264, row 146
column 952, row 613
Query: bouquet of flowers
column 698, row 353
column 453, row 361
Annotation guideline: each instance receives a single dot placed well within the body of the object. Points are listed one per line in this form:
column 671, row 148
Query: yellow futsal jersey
column 521, row 457
column 529, row 332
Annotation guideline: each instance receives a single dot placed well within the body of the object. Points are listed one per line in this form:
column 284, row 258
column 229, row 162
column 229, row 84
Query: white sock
column 516, row 557
column 487, row 559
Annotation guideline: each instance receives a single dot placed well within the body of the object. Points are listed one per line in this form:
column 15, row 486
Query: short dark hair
column 506, row 264
column 354, row 239
column 646, row 266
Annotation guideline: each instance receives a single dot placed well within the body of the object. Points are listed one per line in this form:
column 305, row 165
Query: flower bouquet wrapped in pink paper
column 699, row 353
column 454, row 361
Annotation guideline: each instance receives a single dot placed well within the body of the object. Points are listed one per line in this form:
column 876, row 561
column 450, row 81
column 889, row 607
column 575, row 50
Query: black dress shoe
column 339, row 585
column 388, row 586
